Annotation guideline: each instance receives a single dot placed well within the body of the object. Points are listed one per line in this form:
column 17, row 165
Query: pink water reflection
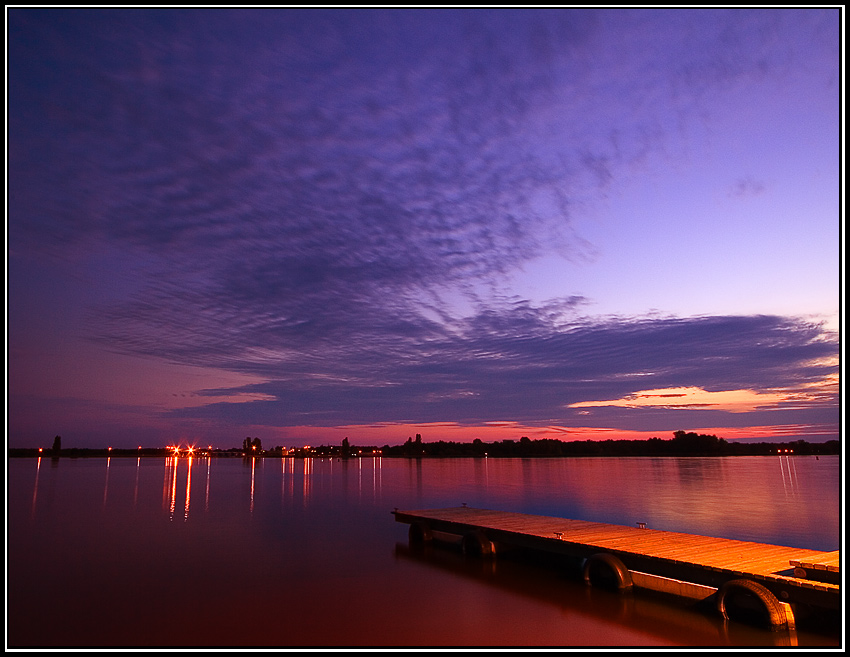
column 306, row 552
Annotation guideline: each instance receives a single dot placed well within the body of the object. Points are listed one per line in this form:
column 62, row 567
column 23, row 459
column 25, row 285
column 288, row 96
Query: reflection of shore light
column 207, row 499
column 35, row 489
column 136, row 487
column 308, row 470
column 253, row 465
column 106, row 483
column 790, row 469
column 173, row 488
column 188, row 488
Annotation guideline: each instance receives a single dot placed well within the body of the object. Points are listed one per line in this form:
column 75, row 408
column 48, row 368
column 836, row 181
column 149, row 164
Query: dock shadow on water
column 159, row 553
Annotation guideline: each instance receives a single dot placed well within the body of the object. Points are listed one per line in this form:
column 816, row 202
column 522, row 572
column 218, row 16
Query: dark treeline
column 682, row 444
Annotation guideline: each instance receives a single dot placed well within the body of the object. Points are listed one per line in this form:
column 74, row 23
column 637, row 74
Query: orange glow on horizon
column 732, row 401
column 396, row 434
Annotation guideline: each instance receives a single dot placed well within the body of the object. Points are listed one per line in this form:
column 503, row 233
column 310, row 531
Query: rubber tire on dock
column 477, row 544
column 776, row 611
column 419, row 533
column 604, row 562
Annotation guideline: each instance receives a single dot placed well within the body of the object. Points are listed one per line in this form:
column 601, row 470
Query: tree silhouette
column 252, row 446
column 57, row 444
column 696, row 443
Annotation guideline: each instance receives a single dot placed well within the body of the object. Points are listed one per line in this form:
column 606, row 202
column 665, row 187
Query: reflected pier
column 743, row 578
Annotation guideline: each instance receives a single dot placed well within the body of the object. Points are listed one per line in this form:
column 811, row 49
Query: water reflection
column 556, row 582
column 253, row 469
column 188, row 489
column 307, row 479
column 106, row 482
column 788, row 468
column 136, row 486
column 173, row 496
column 330, row 476
column 170, row 485
column 207, row 495
column 715, row 496
column 287, row 484
column 415, row 465
column 696, row 471
column 314, row 526
column 35, row 487
column 326, row 477
column 376, row 470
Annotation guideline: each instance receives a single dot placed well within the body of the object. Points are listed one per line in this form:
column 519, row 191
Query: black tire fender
column 776, row 612
column 622, row 577
column 419, row 532
column 476, row 543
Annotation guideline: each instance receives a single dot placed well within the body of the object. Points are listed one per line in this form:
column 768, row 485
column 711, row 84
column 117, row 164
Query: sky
column 310, row 224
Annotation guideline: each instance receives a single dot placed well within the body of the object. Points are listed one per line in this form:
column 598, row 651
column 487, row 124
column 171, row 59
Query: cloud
column 389, row 147
column 523, row 365
column 747, row 188
column 732, row 401
column 292, row 133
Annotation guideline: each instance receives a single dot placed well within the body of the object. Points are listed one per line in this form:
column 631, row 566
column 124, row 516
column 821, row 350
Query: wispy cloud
column 525, row 367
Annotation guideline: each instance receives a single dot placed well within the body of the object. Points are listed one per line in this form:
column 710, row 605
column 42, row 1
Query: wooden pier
column 739, row 575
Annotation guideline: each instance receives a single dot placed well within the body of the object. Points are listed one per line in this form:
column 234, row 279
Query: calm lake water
column 149, row 552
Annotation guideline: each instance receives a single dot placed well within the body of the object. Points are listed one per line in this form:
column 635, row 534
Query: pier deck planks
column 825, row 561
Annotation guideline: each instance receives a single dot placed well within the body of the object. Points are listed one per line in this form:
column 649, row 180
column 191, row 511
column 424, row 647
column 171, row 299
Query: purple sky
column 305, row 224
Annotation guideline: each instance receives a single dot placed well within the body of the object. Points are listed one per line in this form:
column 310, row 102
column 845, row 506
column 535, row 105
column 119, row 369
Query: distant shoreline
column 505, row 449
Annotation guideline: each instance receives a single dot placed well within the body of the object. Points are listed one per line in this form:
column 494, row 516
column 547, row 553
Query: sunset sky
column 310, row 224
